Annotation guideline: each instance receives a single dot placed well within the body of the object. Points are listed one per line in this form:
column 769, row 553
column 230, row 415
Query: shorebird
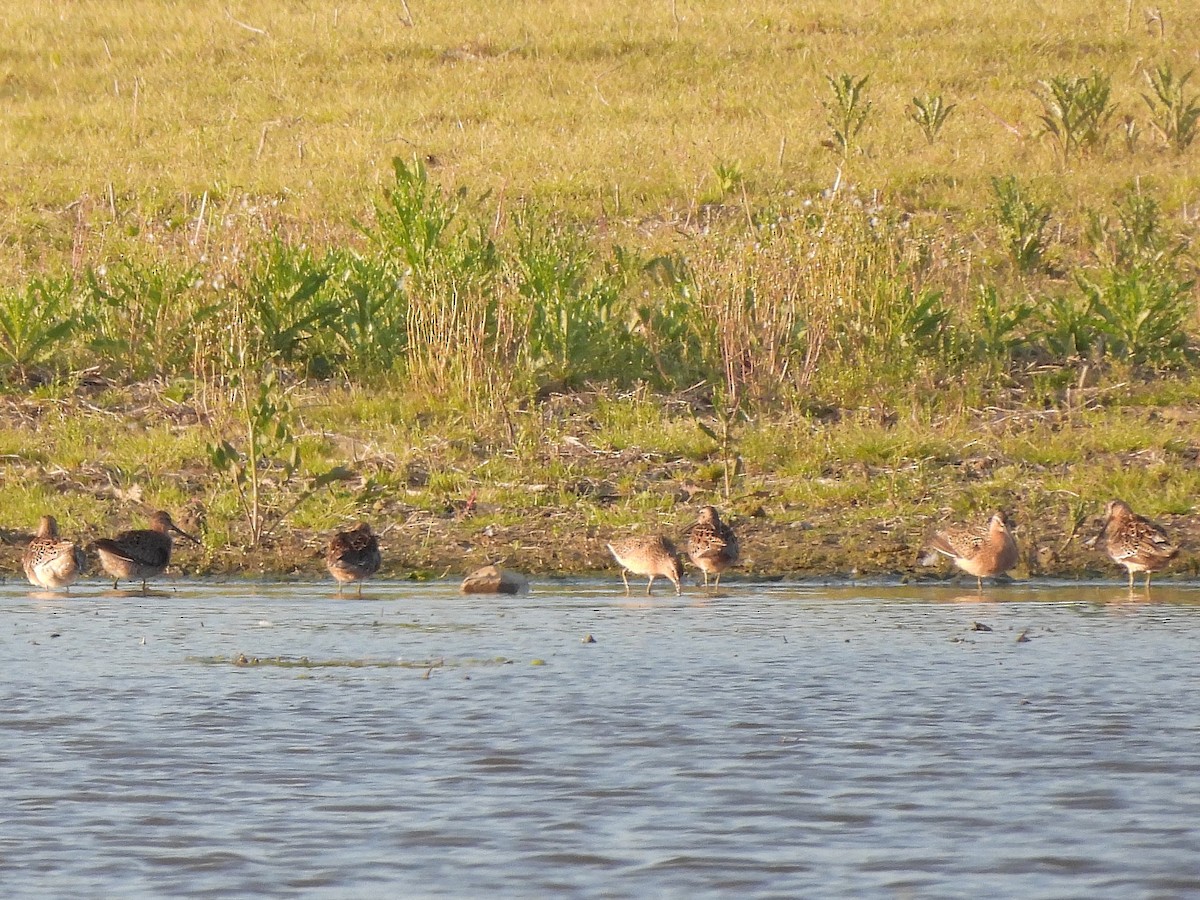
column 984, row 552
column 52, row 563
column 651, row 556
column 141, row 553
column 1134, row 541
column 712, row 546
column 353, row 555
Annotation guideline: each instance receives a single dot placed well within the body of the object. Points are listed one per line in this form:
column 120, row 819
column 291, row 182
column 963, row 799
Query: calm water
column 774, row 740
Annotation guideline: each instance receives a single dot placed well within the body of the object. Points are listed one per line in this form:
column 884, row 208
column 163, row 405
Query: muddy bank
column 560, row 542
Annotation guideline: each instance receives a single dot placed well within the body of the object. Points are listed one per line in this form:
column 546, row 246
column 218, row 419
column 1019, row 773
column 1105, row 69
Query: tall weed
column 284, row 311
column 1022, row 221
column 998, row 332
column 1077, row 111
column 35, row 324
column 1142, row 315
column 847, row 111
column 1174, row 114
column 572, row 310
column 145, row 317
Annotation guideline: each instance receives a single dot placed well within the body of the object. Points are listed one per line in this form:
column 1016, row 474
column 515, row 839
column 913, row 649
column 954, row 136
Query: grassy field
column 128, row 118
column 509, row 282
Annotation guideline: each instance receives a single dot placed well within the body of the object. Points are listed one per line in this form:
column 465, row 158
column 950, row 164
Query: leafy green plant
column 573, row 331
column 847, row 112
column 145, row 316
column 1175, row 116
column 1076, row 111
column 416, row 216
column 1069, row 328
column 282, row 308
column 920, row 322
column 670, row 323
column 1134, row 236
column 930, row 113
column 730, row 177
column 997, row 332
column 35, row 322
column 1142, row 313
column 263, row 467
column 371, row 328
column 1022, row 222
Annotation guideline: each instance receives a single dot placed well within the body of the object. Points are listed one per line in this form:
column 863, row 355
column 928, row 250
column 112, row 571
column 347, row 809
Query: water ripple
column 773, row 741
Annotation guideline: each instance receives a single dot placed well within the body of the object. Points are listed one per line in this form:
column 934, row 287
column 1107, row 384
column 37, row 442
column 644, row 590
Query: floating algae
column 243, row 660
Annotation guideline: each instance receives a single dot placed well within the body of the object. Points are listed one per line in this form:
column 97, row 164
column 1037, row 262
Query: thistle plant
column 930, row 113
column 35, row 322
column 1175, row 116
column 1022, row 223
column 1076, row 111
column 730, row 177
column 847, row 112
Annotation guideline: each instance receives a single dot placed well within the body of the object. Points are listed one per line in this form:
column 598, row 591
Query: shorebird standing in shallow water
column 353, row 555
column 142, row 553
column 984, row 553
column 1134, row 541
column 712, row 546
column 650, row 556
column 52, row 563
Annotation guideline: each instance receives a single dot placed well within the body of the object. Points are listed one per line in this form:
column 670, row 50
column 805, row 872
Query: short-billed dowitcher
column 1134, row 541
column 52, row 563
column 712, row 546
column 983, row 552
column 142, row 553
column 650, row 556
column 353, row 555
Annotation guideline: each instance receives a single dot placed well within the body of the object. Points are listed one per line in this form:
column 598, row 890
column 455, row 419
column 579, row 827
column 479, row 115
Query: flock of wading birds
column 353, row 555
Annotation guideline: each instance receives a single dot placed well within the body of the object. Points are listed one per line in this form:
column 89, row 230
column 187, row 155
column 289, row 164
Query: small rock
column 1023, row 637
column 494, row 580
column 587, row 639
column 979, row 626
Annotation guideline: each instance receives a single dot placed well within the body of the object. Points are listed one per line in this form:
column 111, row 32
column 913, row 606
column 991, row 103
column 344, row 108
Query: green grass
column 285, row 114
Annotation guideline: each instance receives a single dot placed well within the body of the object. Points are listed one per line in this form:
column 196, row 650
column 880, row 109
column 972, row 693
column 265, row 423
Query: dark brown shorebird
column 1134, row 541
column 712, row 546
column 983, row 552
column 142, row 553
column 650, row 556
column 353, row 555
column 52, row 563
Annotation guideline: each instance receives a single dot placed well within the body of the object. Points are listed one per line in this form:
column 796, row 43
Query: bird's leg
column 979, row 586
column 626, row 580
column 716, row 584
column 1131, row 581
column 116, row 581
column 649, row 584
column 705, row 571
column 360, row 590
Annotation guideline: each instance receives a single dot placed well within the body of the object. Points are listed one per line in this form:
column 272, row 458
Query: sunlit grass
column 282, row 113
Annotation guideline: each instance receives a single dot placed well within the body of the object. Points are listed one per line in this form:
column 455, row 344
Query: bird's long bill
column 175, row 528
